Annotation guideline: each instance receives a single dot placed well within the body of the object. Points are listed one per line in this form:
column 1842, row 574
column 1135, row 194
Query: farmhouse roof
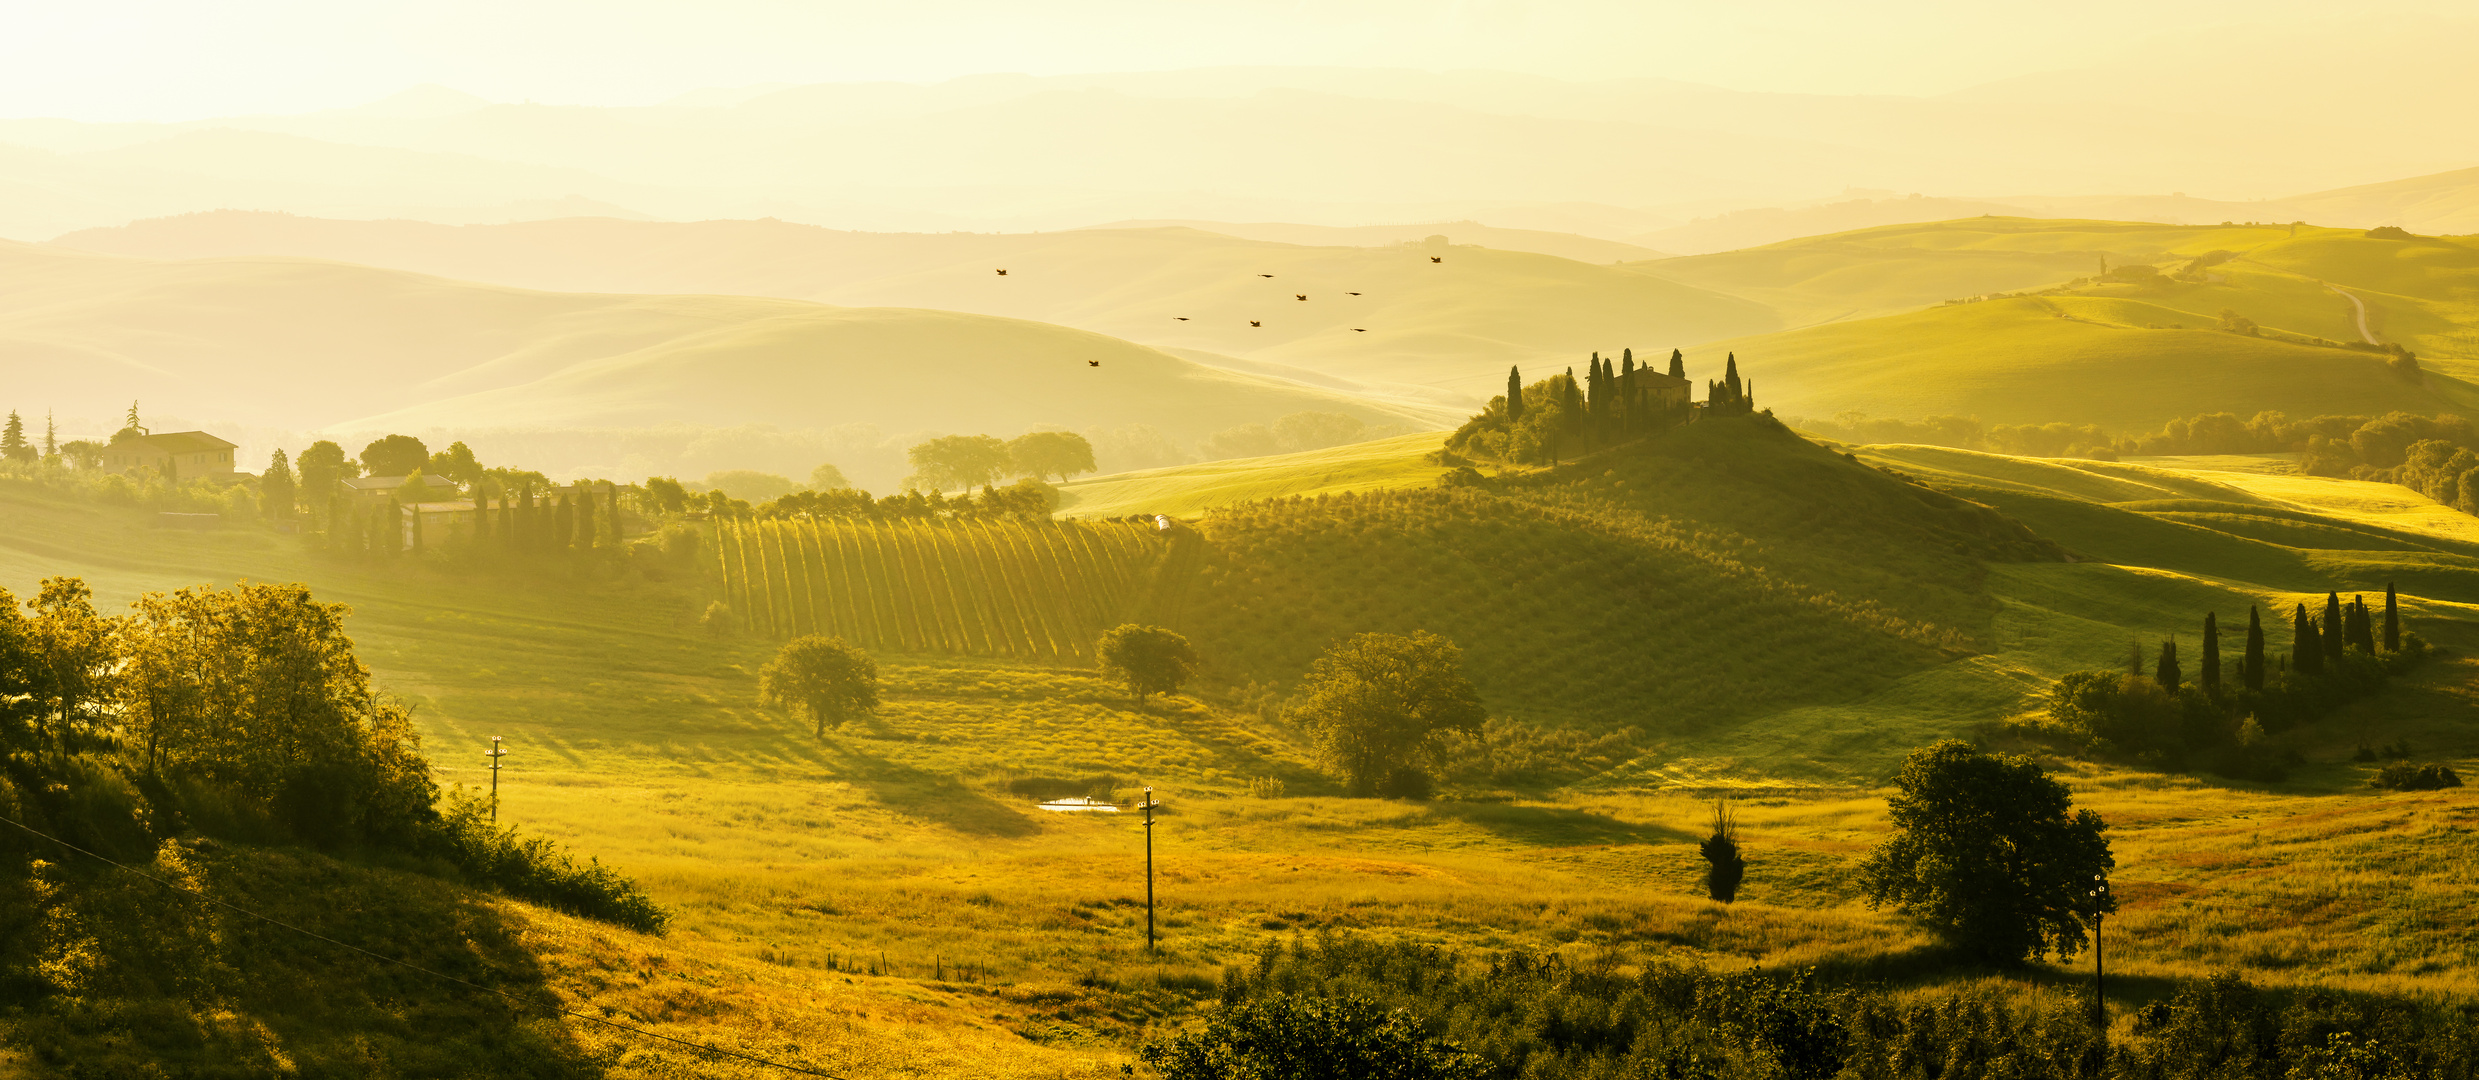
column 177, row 442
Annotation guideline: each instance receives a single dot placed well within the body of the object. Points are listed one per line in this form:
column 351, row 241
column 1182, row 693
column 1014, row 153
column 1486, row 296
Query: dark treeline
column 1524, row 1016
column 1028, row 498
column 1561, row 416
column 2219, row 714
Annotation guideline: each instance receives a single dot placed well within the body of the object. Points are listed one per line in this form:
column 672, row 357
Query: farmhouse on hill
column 178, row 455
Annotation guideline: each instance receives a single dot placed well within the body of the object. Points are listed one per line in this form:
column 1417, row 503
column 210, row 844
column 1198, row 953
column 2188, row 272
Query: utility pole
column 1149, row 870
column 495, row 753
column 2100, row 988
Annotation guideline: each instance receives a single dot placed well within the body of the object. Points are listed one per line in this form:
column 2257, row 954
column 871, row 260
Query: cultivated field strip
column 1030, row 591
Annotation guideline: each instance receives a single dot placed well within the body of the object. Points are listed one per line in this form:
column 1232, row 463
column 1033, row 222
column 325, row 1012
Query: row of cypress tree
column 1615, row 400
column 546, row 523
column 2316, row 645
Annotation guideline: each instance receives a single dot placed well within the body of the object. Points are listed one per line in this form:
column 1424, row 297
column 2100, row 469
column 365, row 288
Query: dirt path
column 2363, row 332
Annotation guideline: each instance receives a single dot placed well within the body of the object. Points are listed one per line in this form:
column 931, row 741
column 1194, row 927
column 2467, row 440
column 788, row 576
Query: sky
column 167, row 60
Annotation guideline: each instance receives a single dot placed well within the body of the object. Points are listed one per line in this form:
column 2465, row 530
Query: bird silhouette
column 1253, row 322
column 1299, row 296
column 1181, row 318
column 1351, row 294
column 1002, row 273
column 1437, row 258
column 1265, row 275
column 1093, row 363
column 1358, row 330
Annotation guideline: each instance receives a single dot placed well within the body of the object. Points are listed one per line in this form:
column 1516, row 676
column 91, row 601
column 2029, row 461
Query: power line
column 521, row 1003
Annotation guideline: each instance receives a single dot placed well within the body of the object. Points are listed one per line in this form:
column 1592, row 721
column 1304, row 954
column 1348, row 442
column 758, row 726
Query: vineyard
column 1040, row 591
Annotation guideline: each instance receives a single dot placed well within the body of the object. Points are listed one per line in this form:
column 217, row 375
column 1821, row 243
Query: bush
column 2404, row 776
column 1314, row 1039
column 536, row 869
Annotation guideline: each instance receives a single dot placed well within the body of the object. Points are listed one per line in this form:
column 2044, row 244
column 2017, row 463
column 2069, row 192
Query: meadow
column 885, row 901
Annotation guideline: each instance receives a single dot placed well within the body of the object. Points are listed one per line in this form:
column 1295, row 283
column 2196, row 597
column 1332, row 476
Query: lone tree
column 1150, row 659
column 2392, row 620
column 1375, row 704
column 1721, row 849
column 275, row 489
column 2209, row 671
column 1045, row 454
column 830, row 679
column 950, row 462
column 395, row 455
column 1988, row 850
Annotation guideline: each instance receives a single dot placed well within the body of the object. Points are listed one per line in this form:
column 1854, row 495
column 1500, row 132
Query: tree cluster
column 1616, row 401
column 2220, row 719
column 1296, row 433
column 965, row 462
column 1376, row 705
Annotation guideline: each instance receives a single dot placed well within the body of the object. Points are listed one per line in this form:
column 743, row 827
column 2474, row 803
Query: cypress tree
column 2392, row 620
column 2362, row 626
column 417, row 528
column 2134, row 659
column 1730, row 376
column 2335, row 636
column 275, row 489
column 619, row 531
column 2208, row 674
column 2168, row 673
column 393, row 543
column 585, row 517
column 481, row 512
column 1678, row 364
column 563, row 524
column 1514, row 393
column 2306, row 647
column 2252, row 667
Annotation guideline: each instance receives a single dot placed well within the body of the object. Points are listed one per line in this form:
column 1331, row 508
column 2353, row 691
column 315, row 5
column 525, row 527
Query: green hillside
column 1188, row 490
column 2116, row 362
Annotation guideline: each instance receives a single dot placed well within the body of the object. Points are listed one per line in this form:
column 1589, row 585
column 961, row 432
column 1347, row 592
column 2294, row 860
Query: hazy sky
column 179, row 59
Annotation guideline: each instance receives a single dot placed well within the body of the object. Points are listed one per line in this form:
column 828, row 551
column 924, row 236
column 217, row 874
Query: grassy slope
column 897, row 842
column 1188, row 490
column 258, row 340
column 2076, row 359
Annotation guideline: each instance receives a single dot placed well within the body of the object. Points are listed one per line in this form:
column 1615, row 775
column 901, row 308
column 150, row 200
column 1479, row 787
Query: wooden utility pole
column 1149, row 870
column 495, row 753
column 2100, row 987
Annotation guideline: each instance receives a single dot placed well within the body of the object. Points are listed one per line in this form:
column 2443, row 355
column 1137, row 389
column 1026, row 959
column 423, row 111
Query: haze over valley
column 1239, row 541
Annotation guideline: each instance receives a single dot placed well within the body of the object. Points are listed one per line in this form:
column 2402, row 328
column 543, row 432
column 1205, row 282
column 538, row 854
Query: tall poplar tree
column 2361, row 626
column 2168, row 673
column 1678, row 364
column 275, row 489
column 1514, row 394
column 2306, row 646
column 2335, row 636
column 2392, row 620
column 2208, row 674
column 2251, row 667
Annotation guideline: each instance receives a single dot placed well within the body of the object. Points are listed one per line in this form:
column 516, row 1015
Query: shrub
column 2404, row 776
column 537, row 869
column 1312, row 1039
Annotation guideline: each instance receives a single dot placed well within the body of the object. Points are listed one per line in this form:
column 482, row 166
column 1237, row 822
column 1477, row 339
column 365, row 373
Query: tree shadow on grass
column 1546, row 826
column 1938, row 964
column 927, row 796
column 183, row 987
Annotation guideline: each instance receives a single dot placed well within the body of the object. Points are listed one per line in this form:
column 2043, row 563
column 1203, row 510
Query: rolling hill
column 300, row 344
column 1421, row 330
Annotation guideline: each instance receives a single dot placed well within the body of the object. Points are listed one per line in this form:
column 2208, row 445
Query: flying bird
column 1093, row 363
column 1002, row 273
column 1253, row 322
column 1299, row 296
column 1432, row 258
column 1181, row 318
column 1351, row 294
column 1358, row 330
